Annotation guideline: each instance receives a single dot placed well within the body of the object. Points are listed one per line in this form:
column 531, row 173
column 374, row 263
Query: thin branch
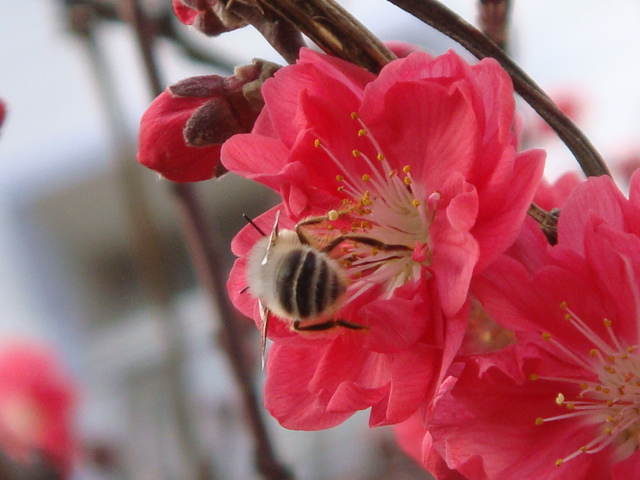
column 441, row 18
column 548, row 221
column 149, row 254
column 205, row 258
column 334, row 30
column 493, row 17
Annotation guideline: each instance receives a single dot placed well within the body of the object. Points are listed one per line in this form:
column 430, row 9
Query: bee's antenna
column 252, row 223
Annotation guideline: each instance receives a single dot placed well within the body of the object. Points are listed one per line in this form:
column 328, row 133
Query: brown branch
column 548, row 221
column 441, row 18
column 205, row 258
column 334, row 30
column 493, row 17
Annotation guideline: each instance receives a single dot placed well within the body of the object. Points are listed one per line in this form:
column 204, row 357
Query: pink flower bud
column 182, row 131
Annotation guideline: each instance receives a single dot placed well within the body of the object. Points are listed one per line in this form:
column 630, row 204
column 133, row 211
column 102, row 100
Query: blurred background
column 78, row 216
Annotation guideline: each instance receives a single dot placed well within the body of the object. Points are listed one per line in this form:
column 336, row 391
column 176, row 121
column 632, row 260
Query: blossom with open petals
column 564, row 401
column 416, row 170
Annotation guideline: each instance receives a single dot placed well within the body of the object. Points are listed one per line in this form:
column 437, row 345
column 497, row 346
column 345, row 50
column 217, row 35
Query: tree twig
column 334, row 30
column 205, row 258
column 441, row 18
column 493, row 17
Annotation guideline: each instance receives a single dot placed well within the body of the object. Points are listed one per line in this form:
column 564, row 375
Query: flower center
column 612, row 400
column 384, row 217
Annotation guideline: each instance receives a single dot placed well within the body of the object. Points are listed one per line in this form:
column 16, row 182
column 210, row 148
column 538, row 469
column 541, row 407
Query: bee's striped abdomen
column 306, row 284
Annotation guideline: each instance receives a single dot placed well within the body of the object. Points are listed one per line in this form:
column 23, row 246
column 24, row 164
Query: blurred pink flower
column 421, row 157
column 36, row 406
column 564, row 400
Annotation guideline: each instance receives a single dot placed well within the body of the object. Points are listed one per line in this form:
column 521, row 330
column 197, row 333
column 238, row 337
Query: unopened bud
column 183, row 130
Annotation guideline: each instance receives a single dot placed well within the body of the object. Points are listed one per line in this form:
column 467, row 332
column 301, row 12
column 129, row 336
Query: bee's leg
column 264, row 324
column 385, row 247
column 329, row 324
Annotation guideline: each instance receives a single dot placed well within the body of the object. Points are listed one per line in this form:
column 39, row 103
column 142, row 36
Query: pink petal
column 287, row 395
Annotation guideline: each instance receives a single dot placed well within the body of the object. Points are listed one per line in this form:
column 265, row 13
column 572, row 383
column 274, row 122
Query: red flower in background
column 36, row 406
column 182, row 131
column 420, row 159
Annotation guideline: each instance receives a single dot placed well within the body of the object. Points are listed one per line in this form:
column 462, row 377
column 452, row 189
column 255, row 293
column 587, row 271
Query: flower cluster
column 402, row 275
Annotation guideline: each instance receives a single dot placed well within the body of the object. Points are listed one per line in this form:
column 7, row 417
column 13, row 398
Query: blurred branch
column 493, row 17
column 165, row 25
column 150, row 256
column 441, row 18
column 205, row 258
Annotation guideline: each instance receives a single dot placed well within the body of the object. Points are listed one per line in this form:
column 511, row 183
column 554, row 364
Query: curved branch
column 441, row 18
column 332, row 28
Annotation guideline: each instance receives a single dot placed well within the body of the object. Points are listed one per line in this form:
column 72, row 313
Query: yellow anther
column 380, row 156
column 415, row 203
column 570, row 406
column 332, row 215
column 341, row 188
column 593, row 352
column 533, row 376
column 366, row 177
column 563, row 305
column 539, row 421
column 355, row 153
column 607, row 323
column 559, row 462
column 362, row 132
column 354, row 115
column 392, row 173
column 608, row 431
column 406, row 168
column 584, row 449
column 546, row 336
column 567, row 316
column 340, row 178
column 560, row 399
column 316, row 142
column 407, row 181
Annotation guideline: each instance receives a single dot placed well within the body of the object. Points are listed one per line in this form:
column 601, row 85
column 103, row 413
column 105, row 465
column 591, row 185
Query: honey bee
column 300, row 282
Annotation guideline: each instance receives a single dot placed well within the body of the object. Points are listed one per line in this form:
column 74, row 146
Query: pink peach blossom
column 421, row 158
column 563, row 401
